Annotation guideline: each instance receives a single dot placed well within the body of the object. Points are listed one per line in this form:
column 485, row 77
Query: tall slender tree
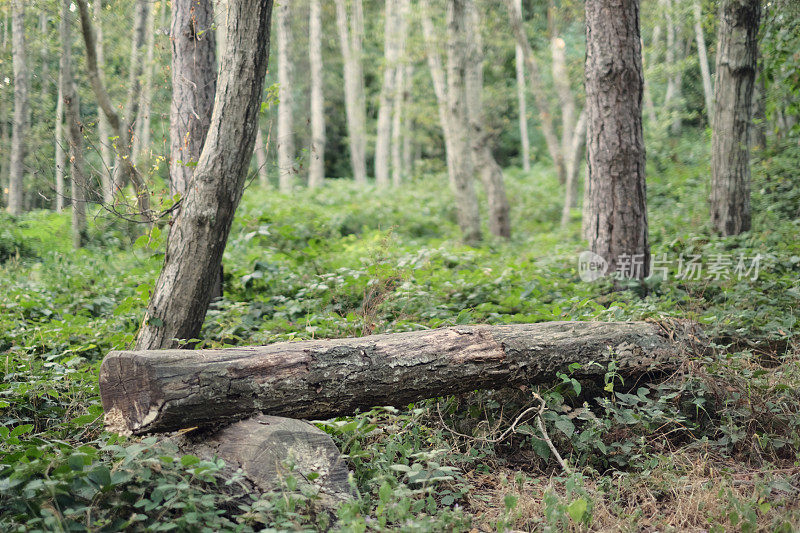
column 400, row 93
column 737, row 53
column 350, row 39
column 285, row 140
column 482, row 157
column 450, row 89
column 194, row 83
column 103, row 126
column 316, row 165
column 522, row 106
column 617, row 211
column 200, row 230
column 19, row 135
column 67, row 90
column 702, row 58
column 384, row 126
column 60, row 153
column 141, row 139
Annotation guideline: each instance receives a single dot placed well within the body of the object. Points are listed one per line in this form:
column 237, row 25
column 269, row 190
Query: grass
column 713, row 446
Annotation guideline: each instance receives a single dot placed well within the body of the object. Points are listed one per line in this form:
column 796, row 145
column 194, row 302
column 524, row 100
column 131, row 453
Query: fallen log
column 165, row 390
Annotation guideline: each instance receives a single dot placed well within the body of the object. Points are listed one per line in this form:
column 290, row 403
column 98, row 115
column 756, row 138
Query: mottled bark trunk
column 539, row 94
column 459, row 157
column 350, row 41
column 260, row 151
column 522, row 106
column 400, row 93
column 60, row 153
column 737, row 51
column 448, row 91
column 194, row 83
column 200, row 231
column 141, row 140
column 574, row 154
column 75, row 135
column 156, row 391
column 118, row 127
column 617, row 211
column 482, row 157
column 316, row 165
column 103, row 127
column 702, row 57
column 384, row 127
column 130, row 112
column 285, row 140
column 673, row 95
column 19, row 133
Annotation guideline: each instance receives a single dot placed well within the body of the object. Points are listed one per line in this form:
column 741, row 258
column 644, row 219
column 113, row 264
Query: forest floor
column 713, row 445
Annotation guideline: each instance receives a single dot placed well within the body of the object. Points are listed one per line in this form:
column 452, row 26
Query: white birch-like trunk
column 400, row 92
column 260, row 151
column 522, row 106
column 573, row 166
column 285, row 141
column 702, row 57
column 350, row 41
column 103, row 127
column 141, row 142
column 408, row 123
column 60, row 153
column 673, row 95
column 21, row 108
column 316, row 165
column 384, row 127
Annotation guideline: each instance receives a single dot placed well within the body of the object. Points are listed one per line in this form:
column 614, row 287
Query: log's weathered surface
column 269, row 449
column 164, row 390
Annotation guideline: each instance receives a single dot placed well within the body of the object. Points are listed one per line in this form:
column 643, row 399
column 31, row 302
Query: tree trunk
column 573, row 166
column 21, row 108
column 103, row 127
column 450, row 96
column 60, row 153
column 200, row 231
column 737, row 53
column 400, row 93
column 458, row 121
column 672, row 98
column 119, row 128
column 539, row 94
column 617, row 211
column 74, row 130
column 482, row 157
column 285, row 141
column 702, row 57
column 519, row 61
column 153, row 391
column 44, row 73
column 408, row 124
column 131, row 110
column 350, row 40
column 384, row 128
column 566, row 99
column 194, row 83
column 141, row 140
column 316, row 166
column 261, row 158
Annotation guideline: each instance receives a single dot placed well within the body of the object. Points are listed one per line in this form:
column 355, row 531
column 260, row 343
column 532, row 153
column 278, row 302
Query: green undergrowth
column 350, row 261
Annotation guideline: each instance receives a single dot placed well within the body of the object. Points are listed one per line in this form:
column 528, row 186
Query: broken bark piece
column 163, row 390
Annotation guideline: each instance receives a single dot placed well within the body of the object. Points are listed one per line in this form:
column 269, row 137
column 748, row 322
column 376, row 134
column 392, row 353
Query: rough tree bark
column 285, row 140
column 21, row 108
column 103, row 127
column 74, row 127
column 617, row 213
column 194, row 83
column 120, row 129
column 166, row 390
column 737, row 53
column 482, row 157
column 383, row 134
column 316, row 165
column 200, row 231
column 450, row 92
column 519, row 61
column 539, row 93
column 702, row 57
column 350, row 40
